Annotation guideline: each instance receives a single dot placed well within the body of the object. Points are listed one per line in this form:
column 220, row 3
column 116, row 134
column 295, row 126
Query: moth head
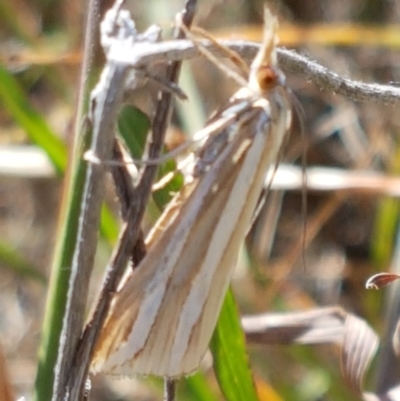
column 264, row 72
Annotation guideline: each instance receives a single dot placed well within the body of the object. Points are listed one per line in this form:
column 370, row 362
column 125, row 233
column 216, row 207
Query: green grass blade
column 36, row 127
column 197, row 388
column 231, row 363
column 20, row 265
column 39, row 132
column 60, row 275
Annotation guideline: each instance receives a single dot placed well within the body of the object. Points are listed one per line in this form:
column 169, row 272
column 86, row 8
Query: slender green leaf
column 60, row 275
column 133, row 126
column 41, row 134
column 108, row 225
column 231, row 364
column 36, row 127
column 20, row 265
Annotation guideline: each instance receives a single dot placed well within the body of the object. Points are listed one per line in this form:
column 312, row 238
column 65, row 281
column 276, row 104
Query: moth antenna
column 304, row 194
column 299, row 112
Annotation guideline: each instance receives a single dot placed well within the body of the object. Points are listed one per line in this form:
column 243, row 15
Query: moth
column 162, row 318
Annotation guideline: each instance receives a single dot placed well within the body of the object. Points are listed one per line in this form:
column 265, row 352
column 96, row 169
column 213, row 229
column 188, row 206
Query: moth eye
column 268, row 77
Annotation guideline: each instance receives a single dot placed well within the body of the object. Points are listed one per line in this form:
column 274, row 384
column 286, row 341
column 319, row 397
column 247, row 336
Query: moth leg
column 232, row 74
column 232, row 55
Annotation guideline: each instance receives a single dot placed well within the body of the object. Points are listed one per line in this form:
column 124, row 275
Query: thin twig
column 169, row 389
column 129, row 234
column 122, row 179
column 91, row 48
column 46, row 378
column 331, row 81
column 289, row 60
column 126, row 195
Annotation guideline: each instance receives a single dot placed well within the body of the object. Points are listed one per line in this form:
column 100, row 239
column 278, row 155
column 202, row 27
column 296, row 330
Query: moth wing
column 162, row 320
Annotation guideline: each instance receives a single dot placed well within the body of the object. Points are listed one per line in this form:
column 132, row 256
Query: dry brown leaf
column 324, row 325
column 358, row 348
column 377, row 281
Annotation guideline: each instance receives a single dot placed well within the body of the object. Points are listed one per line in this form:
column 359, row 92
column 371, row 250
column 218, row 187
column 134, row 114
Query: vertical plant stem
column 125, row 192
column 106, row 105
column 68, row 225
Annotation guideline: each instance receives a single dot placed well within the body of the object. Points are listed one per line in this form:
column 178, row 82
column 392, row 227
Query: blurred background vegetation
column 355, row 231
